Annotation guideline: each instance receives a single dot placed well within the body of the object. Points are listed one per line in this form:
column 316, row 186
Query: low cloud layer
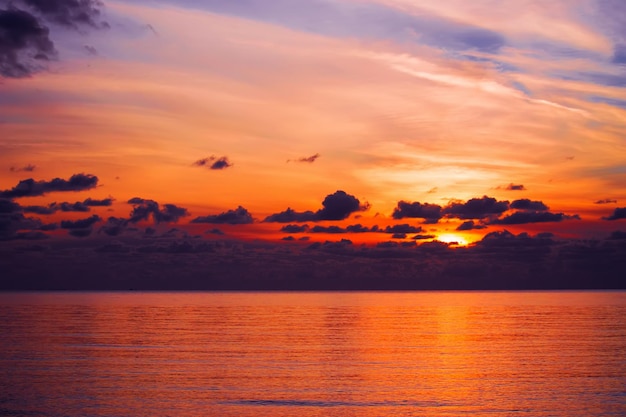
column 337, row 206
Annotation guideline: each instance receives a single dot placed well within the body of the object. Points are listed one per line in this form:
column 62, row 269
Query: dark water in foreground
column 313, row 354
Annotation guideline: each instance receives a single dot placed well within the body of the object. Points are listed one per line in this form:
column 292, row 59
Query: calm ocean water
column 313, row 354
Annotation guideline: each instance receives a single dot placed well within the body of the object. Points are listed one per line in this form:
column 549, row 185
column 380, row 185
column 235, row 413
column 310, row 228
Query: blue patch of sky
column 607, row 100
column 356, row 20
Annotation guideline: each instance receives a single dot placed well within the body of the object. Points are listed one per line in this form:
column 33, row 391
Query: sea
column 313, row 353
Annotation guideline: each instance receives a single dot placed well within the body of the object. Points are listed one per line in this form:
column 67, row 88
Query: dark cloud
column 618, row 235
column 398, row 236
column 308, row 159
column 289, row 238
column 470, row 225
column 403, row 228
column 78, row 206
column 213, row 162
column 336, row 206
column 523, row 217
column 26, row 168
column 476, row 208
column 605, row 201
column 294, row 228
column 327, row 229
column 340, row 205
column 114, row 226
column 215, row 232
column 238, row 216
column 98, row 203
column 80, row 232
column 422, row 237
column 31, row 188
column 515, row 187
column 359, row 228
column 144, row 209
column 70, row 13
column 526, row 204
column 25, row 45
column 291, row 215
column 618, row 213
column 80, row 224
column 416, row 210
column 8, row 206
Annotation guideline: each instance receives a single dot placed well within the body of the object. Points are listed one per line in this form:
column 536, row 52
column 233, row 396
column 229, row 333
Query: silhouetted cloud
column 327, row 229
column 114, row 226
column 238, row 216
column 78, row 206
column 515, row 187
column 359, row 228
column 422, row 237
column 9, row 206
column 80, row 232
column 25, row 45
column 470, row 225
column 336, row 206
column 31, row 188
column 143, row 209
column 605, row 201
column 26, row 168
column 291, row 215
column 416, row 210
column 294, row 228
column 215, row 232
column 340, row 205
column 617, row 235
column 80, row 224
column 618, row 213
column 308, row 159
column 523, row 217
column 398, row 236
column 476, row 208
column 213, row 162
column 526, row 204
column 403, row 228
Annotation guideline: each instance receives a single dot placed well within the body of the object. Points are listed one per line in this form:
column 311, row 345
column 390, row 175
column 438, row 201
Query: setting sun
column 451, row 238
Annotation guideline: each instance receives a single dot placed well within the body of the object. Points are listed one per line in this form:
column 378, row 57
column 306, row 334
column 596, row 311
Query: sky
column 480, row 143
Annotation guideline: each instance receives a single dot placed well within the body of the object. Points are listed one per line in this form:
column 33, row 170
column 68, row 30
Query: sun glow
column 451, row 238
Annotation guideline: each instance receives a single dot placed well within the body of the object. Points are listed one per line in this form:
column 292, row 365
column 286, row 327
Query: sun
column 451, row 238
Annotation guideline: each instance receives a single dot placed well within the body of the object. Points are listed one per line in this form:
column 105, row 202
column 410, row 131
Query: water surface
column 313, row 354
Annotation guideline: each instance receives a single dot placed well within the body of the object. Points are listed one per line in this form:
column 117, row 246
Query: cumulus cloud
column 416, row 210
column 294, row 228
column 618, row 213
column 144, row 209
column 403, row 228
column 80, row 224
column 31, row 188
column 359, row 228
column 213, row 162
column 114, row 226
column 337, row 206
column 515, row 187
column 327, row 229
column 526, row 204
column 476, row 208
column 238, row 216
column 523, row 217
column 470, row 225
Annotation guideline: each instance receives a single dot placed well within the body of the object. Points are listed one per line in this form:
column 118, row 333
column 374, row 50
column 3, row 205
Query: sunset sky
column 291, row 122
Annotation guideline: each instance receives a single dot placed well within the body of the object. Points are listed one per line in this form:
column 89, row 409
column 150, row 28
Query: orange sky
column 410, row 101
